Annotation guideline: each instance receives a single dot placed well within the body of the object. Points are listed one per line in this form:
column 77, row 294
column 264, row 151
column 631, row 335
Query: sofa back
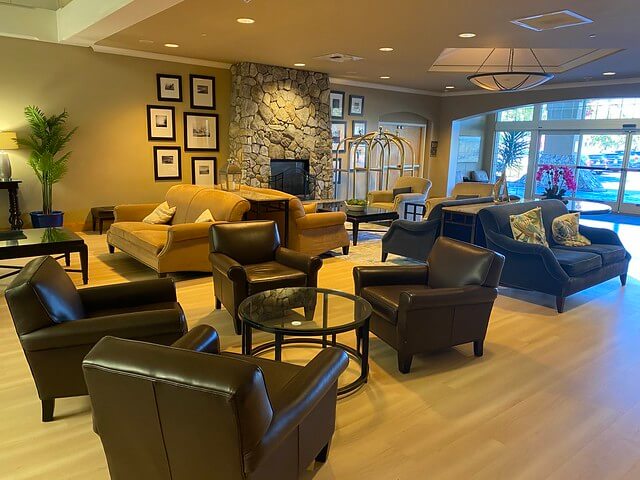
column 496, row 218
column 191, row 200
column 472, row 188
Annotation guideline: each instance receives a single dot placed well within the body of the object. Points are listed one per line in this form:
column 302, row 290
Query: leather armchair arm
column 157, row 290
column 300, row 261
column 600, row 235
column 188, row 231
column 370, row 276
column 380, row 196
column 513, row 249
column 321, row 220
column 310, row 207
column 133, row 213
column 409, row 226
column 409, row 197
column 228, row 267
column 202, row 338
column 135, row 325
column 445, row 297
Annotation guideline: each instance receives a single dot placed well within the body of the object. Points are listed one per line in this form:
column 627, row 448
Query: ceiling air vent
column 551, row 21
column 338, row 57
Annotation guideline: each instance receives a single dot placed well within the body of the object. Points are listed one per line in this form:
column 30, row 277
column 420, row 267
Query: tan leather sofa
column 182, row 245
column 480, row 189
column 384, row 198
column 309, row 232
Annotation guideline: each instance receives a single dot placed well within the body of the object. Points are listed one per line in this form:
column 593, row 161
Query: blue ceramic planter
column 41, row 220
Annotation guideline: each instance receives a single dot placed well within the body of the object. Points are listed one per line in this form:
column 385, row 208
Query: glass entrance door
column 630, row 195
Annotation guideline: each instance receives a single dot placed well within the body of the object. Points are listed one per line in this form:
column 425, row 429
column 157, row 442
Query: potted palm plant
column 49, row 137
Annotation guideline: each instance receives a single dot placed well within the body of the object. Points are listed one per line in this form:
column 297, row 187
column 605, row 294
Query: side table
column 15, row 219
column 100, row 214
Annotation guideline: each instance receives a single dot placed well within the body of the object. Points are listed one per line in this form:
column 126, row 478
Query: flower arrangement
column 556, row 180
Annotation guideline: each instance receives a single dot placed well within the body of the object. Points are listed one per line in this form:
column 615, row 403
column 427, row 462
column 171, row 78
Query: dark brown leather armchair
column 247, row 258
column 167, row 413
column 57, row 325
column 424, row 308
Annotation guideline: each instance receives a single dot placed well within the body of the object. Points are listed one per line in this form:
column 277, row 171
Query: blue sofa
column 556, row 270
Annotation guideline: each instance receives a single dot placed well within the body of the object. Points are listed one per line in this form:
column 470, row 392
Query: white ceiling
column 46, row 4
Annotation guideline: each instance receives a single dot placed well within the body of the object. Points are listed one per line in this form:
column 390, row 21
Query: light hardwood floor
column 554, row 397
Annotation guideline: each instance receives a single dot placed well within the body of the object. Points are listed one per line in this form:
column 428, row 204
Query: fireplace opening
column 292, row 176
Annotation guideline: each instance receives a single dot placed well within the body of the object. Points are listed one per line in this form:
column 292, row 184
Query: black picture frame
column 214, row 165
column 156, row 171
column 354, row 124
column 188, row 140
column 170, row 110
column 159, row 78
column 352, row 112
column 339, row 97
column 343, row 124
column 193, row 96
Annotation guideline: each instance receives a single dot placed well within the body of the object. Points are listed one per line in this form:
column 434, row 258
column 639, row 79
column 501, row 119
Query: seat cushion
column 126, row 230
column 270, row 275
column 575, row 261
column 383, row 205
column 152, row 241
column 385, row 300
column 609, row 253
column 149, row 307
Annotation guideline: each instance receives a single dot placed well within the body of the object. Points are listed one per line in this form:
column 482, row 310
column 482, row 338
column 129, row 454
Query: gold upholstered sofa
column 310, row 232
column 181, row 245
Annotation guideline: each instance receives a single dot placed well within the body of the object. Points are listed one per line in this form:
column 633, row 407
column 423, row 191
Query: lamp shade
column 509, row 81
column 8, row 141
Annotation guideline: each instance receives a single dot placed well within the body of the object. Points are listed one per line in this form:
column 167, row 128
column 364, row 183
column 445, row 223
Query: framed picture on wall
column 161, row 122
column 356, row 105
column 167, row 163
column 358, row 127
column 204, row 171
column 203, row 91
column 338, row 134
column 336, row 104
column 169, row 87
column 200, row 132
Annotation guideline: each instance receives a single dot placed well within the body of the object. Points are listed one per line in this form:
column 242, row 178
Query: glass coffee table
column 306, row 312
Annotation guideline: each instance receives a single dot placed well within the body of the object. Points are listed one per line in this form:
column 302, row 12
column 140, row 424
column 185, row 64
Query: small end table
column 15, row 219
column 100, row 214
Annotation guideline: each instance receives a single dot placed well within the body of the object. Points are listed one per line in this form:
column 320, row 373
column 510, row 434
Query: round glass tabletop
column 304, row 311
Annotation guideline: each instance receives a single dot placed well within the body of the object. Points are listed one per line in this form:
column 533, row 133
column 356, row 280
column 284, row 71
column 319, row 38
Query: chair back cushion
column 168, row 413
column 417, row 184
column 472, row 188
column 496, row 218
column 246, row 242
column 479, row 176
column 42, row 294
column 456, row 264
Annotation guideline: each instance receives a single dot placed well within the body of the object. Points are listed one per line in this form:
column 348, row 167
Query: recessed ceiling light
column 449, row 87
column 386, row 49
column 146, row 42
column 609, row 74
column 385, row 77
column 245, row 20
column 299, row 64
column 203, row 34
column 467, row 35
column 171, row 45
column 593, row 35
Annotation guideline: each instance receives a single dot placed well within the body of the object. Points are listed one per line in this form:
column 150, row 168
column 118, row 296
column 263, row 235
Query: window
column 520, row 114
column 512, row 156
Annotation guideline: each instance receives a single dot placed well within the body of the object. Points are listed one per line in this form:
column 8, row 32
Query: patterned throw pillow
column 528, row 227
column 566, row 231
column 161, row 215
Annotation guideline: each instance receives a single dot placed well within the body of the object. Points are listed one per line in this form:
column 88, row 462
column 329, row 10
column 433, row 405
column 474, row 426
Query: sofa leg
column 345, row 250
column 623, row 279
column 404, row 362
column 47, row 409
column 218, row 303
column 560, row 303
column 384, row 256
column 478, row 348
column 112, row 249
column 324, row 453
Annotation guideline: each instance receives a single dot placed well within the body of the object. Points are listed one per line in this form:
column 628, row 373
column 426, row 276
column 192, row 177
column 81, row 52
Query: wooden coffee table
column 34, row 242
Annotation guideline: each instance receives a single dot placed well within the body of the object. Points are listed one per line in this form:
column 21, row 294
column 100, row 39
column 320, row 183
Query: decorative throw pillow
column 528, row 227
column 466, row 197
column 205, row 217
column 161, row 215
column 398, row 191
column 566, row 231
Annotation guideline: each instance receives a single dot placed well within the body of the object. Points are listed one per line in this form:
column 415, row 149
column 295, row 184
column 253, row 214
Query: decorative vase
column 5, row 167
column 42, row 220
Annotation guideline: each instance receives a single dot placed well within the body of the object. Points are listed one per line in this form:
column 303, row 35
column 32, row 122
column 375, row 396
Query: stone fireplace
column 281, row 114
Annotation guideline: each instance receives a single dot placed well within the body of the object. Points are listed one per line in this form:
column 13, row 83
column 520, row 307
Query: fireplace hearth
column 292, row 176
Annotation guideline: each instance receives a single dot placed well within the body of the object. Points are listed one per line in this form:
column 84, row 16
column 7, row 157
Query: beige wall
column 458, row 107
column 106, row 97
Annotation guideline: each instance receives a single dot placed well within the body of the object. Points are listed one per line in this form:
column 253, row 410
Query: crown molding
column 379, row 86
column 159, row 56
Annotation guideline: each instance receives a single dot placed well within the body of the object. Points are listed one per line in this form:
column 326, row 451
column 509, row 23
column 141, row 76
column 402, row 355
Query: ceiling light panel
column 552, row 21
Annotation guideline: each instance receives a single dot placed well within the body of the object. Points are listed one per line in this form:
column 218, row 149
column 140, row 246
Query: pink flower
column 559, row 177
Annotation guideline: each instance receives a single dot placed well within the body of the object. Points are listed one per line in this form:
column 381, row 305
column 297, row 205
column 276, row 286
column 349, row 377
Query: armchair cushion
column 577, row 262
column 270, row 275
column 385, row 300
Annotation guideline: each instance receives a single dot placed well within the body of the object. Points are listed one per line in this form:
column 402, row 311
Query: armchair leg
column 47, row 409
column 560, row 304
column 623, row 279
column 324, row 453
column 345, row 250
column 112, row 249
column 404, row 362
column 218, row 303
column 384, row 256
column 478, row 348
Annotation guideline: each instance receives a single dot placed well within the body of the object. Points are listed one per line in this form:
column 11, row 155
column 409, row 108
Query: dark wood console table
column 15, row 219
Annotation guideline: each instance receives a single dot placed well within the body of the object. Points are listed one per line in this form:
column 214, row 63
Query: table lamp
column 7, row 142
